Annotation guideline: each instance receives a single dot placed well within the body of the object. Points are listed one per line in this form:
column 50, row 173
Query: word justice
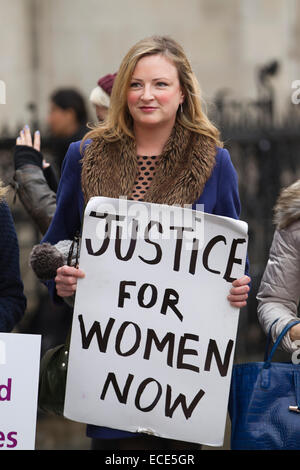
column 124, row 251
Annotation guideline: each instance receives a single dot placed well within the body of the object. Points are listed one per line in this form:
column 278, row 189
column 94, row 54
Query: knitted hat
column 100, row 95
column 106, row 82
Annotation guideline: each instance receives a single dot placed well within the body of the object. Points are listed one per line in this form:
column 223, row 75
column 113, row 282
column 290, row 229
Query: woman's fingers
column 70, row 271
column 242, row 281
column 27, row 136
column 66, row 280
column 239, row 290
column 238, row 294
column 21, row 138
column 37, row 141
column 233, row 299
column 239, row 304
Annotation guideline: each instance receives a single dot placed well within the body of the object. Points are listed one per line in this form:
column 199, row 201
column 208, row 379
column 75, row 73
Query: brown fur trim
column 186, row 163
column 3, row 191
column 287, row 208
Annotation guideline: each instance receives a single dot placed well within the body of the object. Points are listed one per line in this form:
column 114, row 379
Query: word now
column 169, row 406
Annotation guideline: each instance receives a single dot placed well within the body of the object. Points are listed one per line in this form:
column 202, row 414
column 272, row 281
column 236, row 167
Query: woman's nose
column 147, row 92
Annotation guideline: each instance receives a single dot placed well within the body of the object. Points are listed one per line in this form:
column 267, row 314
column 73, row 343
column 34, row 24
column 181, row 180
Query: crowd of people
column 151, row 108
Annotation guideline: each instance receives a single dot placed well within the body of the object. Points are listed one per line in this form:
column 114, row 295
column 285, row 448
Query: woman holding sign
column 156, row 145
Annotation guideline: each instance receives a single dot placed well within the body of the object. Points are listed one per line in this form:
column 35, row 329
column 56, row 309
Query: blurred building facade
column 45, row 44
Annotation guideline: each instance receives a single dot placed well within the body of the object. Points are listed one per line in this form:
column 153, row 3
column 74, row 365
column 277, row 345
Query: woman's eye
column 161, row 84
column 135, row 85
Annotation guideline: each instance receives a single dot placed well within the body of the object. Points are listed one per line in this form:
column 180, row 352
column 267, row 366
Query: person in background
column 155, row 116
column 100, row 95
column 36, row 183
column 279, row 291
column 67, row 120
column 34, row 180
column 12, row 298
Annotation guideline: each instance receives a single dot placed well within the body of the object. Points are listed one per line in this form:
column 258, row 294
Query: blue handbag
column 264, row 403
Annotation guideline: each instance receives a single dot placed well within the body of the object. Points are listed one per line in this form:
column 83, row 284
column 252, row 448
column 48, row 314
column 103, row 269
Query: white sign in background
column 19, row 375
column 2, row 92
column 152, row 343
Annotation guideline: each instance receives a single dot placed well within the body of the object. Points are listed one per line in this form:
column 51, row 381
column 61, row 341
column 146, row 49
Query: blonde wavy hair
column 3, row 191
column 119, row 120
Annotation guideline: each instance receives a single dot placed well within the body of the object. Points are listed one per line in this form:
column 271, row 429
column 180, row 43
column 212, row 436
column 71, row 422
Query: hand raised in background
column 25, row 139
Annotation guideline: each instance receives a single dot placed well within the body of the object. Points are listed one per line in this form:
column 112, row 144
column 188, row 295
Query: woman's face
column 154, row 93
column 61, row 121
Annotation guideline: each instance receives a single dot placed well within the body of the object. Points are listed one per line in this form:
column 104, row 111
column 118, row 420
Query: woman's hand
column 239, row 292
column 26, row 139
column 295, row 332
column 66, row 280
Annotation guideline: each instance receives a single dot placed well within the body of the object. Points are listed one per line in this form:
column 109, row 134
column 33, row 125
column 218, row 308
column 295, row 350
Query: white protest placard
column 2, row 92
column 153, row 333
column 19, row 376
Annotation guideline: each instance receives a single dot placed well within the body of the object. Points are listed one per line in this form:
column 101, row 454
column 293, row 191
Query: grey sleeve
column 278, row 295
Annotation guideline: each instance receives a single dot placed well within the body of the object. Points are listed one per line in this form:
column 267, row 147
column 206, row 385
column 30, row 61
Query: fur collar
column 287, row 208
column 109, row 169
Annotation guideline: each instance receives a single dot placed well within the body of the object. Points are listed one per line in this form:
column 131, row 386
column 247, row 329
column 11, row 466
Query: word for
column 126, row 254
column 170, row 299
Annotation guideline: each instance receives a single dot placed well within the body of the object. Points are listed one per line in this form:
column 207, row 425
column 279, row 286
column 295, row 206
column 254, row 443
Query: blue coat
column 220, row 196
column 12, row 298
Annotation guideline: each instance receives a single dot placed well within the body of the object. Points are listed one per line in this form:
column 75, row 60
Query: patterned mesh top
column 145, row 174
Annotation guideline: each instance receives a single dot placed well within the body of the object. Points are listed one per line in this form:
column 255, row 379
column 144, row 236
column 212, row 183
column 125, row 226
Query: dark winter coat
column 12, row 298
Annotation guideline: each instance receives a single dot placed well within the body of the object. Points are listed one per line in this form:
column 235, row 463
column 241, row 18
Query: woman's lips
column 147, row 109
